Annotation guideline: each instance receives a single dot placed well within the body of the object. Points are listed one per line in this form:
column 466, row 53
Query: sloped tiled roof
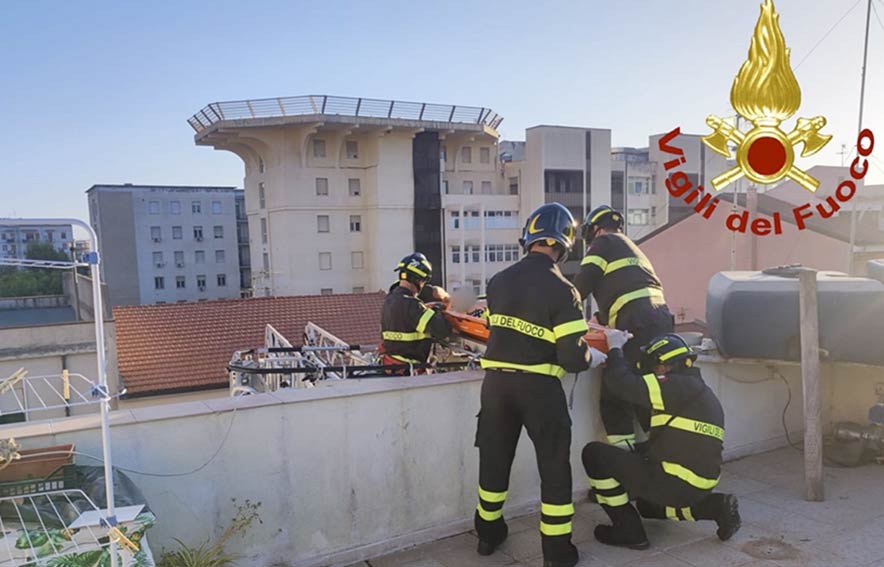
column 187, row 346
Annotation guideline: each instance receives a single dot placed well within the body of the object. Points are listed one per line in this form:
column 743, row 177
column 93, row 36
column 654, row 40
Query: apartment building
column 14, row 240
column 634, row 190
column 338, row 190
column 168, row 244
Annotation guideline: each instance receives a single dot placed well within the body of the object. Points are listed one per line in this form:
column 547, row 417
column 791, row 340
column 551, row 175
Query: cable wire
column 822, row 39
column 153, row 474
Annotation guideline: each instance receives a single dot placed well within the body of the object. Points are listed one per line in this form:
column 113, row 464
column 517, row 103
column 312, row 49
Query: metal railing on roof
column 342, row 106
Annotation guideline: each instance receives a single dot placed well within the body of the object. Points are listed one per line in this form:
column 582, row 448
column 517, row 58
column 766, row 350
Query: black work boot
column 559, row 552
column 627, row 529
column 491, row 537
column 728, row 518
column 649, row 510
column 613, row 535
column 723, row 509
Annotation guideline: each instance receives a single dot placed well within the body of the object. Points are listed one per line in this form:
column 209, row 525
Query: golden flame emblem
column 766, row 93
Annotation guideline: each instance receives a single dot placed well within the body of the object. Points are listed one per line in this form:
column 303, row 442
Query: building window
column 359, row 289
column 486, row 187
column 180, row 282
column 638, row 216
column 198, row 233
column 466, row 154
column 64, row 235
column 475, row 254
column 455, row 219
column 484, row 155
column 219, row 231
column 445, row 187
column 357, row 261
column 156, row 233
column 325, row 261
column 153, row 207
column 471, row 220
column 455, row 254
column 514, row 185
column 322, row 186
column 510, row 253
column 177, row 233
column 355, row 187
column 262, row 202
column 159, row 282
column 467, row 187
column 179, row 259
column 355, row 223
column 196, row 207
column 321, row 223
column 326, row 291
column 199, row 257
column 264, row 231
column 219, row 256
column 158, row 259
column 266, row 261
column 319, row 148
column 216, row 207
column 201, row 283
column 352, row 149
column 261, row 167
column 175, row 207
column 222, row 280
column 444, row 153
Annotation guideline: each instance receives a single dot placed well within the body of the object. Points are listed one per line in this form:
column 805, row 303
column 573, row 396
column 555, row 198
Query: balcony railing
column 341, row 106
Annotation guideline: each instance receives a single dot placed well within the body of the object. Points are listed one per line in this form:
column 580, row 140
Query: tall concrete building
column 634, row 190
column 701, row 165
column 167, row 244
column 338, row 190
column 14, row 240
column 563, row 164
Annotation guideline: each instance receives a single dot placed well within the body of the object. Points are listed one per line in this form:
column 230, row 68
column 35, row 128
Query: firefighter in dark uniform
column 629, row 296
column 537, row 327
column 673, row 476
column 409, row 327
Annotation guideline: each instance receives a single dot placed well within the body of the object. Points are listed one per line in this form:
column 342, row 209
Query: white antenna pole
column 862, row 92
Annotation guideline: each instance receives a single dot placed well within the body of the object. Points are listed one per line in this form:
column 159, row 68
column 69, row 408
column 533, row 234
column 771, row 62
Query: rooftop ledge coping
column 335, row 389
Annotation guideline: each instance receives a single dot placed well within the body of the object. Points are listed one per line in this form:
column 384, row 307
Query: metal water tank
column 875, row 269
column 755, row 315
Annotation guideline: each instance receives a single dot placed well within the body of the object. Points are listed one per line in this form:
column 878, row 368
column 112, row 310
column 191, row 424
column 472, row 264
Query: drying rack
column 98, row 394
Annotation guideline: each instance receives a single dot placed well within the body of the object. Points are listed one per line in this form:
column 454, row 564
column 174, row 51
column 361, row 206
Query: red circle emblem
column 767, row 155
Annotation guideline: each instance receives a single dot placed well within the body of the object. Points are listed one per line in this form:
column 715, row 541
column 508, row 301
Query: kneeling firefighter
column 673, row 476
column 536, row 337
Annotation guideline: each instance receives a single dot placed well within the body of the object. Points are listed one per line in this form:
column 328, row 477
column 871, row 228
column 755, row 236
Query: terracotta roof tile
column 182, row 346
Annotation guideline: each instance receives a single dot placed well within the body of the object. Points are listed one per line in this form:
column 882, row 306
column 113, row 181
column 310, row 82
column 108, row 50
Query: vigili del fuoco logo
column 766, row 93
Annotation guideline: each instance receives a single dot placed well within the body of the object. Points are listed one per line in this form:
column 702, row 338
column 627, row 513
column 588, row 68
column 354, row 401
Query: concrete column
column 482, row 246
column 463, row 247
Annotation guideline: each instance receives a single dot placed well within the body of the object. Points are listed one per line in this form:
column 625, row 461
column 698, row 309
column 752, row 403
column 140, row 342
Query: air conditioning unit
column 157, row 239
column 179, row 264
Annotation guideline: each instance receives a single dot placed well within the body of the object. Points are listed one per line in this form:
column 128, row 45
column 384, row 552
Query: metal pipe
column 98, row 310
column 862, row 91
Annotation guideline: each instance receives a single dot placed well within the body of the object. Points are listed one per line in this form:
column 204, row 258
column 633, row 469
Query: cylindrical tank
column 875, row 269
column 755, row 315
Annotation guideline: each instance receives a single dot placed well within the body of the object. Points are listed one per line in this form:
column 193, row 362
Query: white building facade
column 167, row 244
column 14, row 240
column 338, row 190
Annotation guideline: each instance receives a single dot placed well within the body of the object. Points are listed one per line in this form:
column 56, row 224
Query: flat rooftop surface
column 779, row 527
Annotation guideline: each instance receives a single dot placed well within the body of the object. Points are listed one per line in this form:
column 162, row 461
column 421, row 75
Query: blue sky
column 99, row 92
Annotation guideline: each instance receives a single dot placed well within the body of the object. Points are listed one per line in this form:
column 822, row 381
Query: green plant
column 214, row 554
